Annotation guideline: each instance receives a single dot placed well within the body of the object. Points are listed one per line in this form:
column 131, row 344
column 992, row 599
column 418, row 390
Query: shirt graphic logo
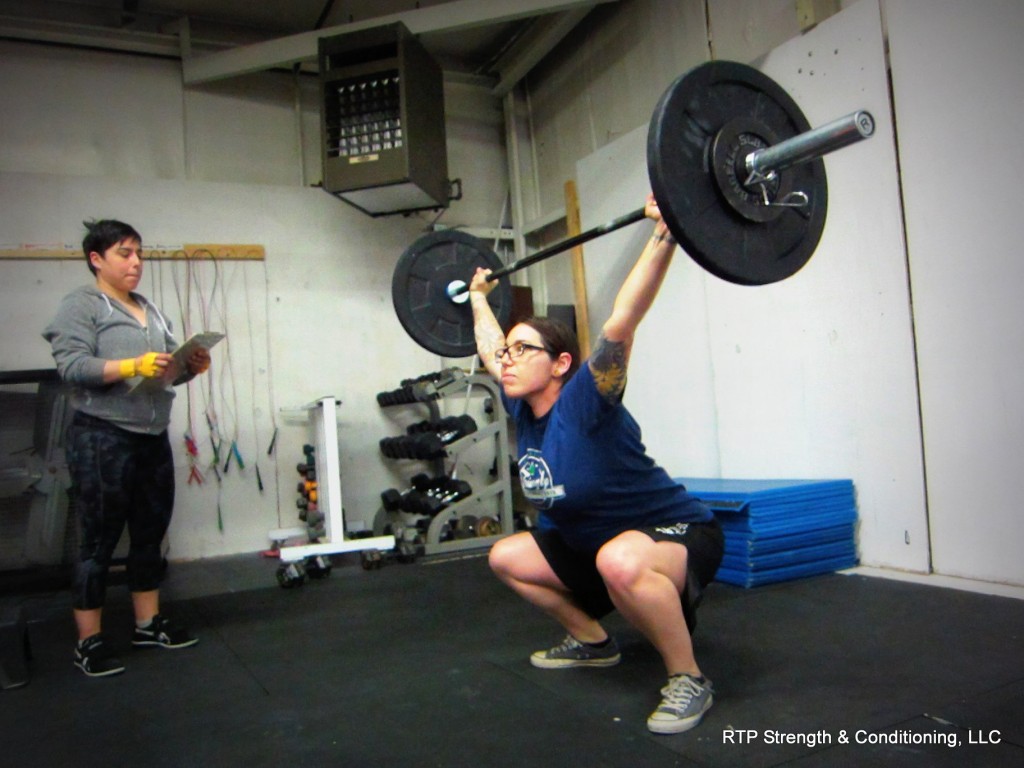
column 538, row 485
column 679, row 529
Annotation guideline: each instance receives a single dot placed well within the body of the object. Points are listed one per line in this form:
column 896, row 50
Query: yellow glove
column 143, row 365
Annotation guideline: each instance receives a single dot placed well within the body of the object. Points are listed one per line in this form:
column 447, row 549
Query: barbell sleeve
column 762, row 163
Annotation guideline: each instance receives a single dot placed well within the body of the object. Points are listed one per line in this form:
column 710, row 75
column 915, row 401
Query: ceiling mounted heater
column 382, row 122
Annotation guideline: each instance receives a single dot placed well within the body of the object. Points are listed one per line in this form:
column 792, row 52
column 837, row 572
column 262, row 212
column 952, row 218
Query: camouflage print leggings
column 118, row 478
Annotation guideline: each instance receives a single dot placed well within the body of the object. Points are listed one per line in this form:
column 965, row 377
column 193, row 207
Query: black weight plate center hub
column 420, row 285
column 733, row 143
column 696, row 161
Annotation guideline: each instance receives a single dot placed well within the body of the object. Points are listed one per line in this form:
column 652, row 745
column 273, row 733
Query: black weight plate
column 419, row 290
column 685, row 123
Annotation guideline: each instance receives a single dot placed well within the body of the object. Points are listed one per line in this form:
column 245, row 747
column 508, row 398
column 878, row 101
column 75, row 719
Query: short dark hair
column 558, row 338
column 102, row 234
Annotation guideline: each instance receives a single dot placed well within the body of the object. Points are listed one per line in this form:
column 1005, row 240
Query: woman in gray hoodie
column 105, row 339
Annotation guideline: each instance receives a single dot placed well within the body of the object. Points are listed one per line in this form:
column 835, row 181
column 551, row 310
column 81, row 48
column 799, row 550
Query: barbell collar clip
column 795, row 199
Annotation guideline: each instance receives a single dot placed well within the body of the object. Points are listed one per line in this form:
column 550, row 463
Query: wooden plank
column 197, row 252
column 209, row 251
column 579, row 279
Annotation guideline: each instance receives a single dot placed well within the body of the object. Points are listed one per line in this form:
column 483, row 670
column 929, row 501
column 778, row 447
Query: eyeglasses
column 515, row 351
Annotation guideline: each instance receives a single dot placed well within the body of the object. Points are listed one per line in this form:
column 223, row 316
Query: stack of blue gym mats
column 777, row 530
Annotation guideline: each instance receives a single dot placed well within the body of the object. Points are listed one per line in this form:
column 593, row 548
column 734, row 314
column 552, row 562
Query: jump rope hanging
column 201, row 292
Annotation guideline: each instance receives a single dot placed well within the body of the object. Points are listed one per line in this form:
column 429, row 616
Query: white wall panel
column 958, row 69
column 741, row 30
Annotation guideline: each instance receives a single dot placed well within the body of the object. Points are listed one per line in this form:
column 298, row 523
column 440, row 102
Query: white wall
column 809, row 378
column 958, row 78
column 87, row 134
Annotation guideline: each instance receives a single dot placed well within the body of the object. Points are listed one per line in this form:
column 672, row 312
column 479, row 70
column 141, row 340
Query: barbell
column 738, row 176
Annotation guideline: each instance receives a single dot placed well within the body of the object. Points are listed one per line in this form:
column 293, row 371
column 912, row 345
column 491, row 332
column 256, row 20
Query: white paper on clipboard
column 178, row 365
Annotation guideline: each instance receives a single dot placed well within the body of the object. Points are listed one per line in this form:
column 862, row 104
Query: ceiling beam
column 446, row 17
column 539, row 40
column 82, row 35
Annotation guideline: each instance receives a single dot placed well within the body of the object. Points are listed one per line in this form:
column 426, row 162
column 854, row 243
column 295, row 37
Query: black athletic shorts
column 704, row 544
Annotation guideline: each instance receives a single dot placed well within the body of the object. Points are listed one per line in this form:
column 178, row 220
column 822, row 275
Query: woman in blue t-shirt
column 616, row 532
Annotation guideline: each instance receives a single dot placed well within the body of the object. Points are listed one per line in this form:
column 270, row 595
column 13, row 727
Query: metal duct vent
column 382, row 122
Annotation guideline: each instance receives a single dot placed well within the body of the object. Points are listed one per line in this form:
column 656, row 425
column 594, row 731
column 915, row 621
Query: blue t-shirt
column 584, row 466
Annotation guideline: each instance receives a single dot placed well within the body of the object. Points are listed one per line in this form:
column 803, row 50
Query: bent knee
column 506, row 553
column 626, row 559
column 620, row 565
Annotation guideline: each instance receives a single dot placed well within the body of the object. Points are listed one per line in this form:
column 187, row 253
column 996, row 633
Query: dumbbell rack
column 323, row 414
column 454, row 383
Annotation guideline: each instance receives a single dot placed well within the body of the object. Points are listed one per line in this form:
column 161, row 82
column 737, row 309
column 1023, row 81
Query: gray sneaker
column 683, row 704
column 572, row 653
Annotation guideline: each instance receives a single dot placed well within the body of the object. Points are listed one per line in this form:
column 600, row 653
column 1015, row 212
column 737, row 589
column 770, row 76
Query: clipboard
column 178, row 365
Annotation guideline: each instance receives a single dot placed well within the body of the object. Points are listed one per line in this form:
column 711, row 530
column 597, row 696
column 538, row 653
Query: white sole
column 541, row 663
column 678, row 726
column 108, row 673
column 158, row 644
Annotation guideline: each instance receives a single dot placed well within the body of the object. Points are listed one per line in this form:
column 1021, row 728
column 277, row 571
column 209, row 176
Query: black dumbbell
column 391, row 499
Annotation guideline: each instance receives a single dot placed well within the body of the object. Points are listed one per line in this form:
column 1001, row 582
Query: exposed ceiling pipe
column 324, row 14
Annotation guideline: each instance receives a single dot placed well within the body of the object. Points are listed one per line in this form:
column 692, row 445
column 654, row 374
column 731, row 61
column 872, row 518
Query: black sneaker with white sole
column 162, row 633
column 96, row 658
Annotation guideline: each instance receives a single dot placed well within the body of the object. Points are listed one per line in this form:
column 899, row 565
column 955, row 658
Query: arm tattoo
column 487, row 334
column 608, row 364
column 488, row 340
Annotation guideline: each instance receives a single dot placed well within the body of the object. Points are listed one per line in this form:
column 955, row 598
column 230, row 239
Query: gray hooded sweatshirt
column 90, row 329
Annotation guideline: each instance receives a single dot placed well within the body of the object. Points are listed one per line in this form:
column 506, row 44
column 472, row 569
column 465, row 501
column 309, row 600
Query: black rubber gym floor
column 426, row 665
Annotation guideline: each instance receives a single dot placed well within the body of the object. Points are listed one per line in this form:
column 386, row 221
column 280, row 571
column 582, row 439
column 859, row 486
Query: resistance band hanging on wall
column 201, row 287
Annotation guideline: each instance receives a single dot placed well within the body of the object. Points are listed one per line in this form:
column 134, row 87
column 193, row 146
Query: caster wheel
column 291, row 575
column 371, row 559
column 318, row 567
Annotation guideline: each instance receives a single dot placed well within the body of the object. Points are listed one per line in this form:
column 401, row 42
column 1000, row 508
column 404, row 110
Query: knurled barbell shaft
column 810, row 145
column 560, row 247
